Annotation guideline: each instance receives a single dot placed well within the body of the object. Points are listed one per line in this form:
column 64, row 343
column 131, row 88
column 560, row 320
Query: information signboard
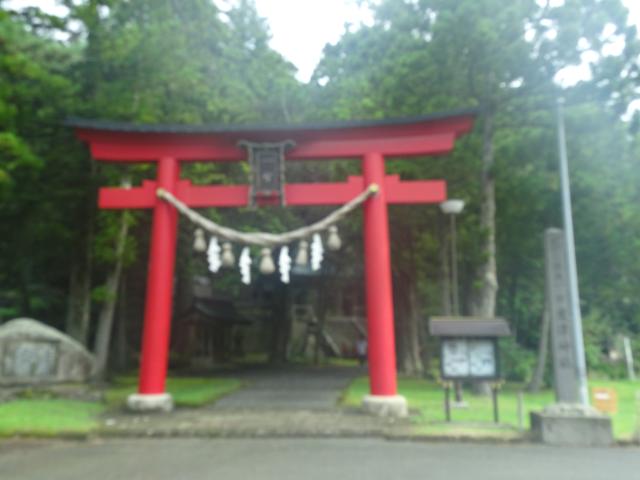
column 469, row 359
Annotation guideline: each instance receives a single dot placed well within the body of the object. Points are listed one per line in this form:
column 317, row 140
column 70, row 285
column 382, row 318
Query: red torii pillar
column 371, row 142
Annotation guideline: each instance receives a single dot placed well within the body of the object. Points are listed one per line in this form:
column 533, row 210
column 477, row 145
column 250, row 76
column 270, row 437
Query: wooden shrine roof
column 116, row 126
column 433, row 134
column 468, row 327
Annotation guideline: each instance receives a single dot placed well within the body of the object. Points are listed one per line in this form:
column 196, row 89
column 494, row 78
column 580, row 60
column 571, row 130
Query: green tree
column 147, row 61
column 428, row 55
column 34, row 188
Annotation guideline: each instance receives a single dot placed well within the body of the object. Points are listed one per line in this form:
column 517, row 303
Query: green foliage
column 186, row 392
column 144, row 61
column 48, row 417
column 160, row 61
column 36, row 164
column 430, row 55
column 516, row 363
column 427, row 398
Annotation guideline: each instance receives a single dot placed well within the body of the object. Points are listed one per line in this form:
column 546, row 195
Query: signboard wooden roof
column 468, row 327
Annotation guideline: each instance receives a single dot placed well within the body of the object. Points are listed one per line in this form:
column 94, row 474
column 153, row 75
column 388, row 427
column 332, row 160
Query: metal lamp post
column 452, row 208
column 576, row 317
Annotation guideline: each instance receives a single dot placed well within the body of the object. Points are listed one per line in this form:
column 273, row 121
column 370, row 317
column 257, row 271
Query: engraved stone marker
column 567, row 422
column 30, row 359
column 34, row 353
column 562, row 341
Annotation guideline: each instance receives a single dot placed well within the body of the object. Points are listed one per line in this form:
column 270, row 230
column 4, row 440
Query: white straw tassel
column 317, row 252
column 245, row 266
column 213, row 255
column 284, row 263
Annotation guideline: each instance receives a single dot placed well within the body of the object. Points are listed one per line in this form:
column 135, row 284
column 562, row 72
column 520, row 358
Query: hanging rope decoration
column 266, row 240
column 284, row 264
column 302, row 257
column 199, row 242
column 317, row 252
column 245, row 266
column 333, row 242
column 213, row 255
column 228, row 258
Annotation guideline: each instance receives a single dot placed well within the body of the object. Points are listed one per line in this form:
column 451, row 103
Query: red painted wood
column 427, row 137
column 159, row 299
column 213, row 195
column 136, row 197
column 414, row 191
column 208, row 150
column 138, row 150
column 324, row 193
column 379, row 297
column 420, row 138
column 387, row 146
column 297, row 194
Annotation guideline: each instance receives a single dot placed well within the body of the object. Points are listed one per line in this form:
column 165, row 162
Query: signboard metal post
column 469, row 352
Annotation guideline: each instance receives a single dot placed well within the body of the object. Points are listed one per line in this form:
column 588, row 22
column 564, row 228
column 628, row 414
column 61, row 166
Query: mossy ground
column 44, row 415
column 427, row 398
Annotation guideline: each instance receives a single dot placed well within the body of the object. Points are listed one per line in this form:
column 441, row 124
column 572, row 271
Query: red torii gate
column 370, row 141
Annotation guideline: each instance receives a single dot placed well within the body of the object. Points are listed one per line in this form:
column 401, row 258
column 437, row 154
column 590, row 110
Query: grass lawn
column 428, row 398
column 186, row 392
column 48, row 417
column 326, row 362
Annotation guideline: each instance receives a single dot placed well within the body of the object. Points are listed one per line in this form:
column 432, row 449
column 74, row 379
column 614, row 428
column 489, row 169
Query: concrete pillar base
column 386, row 405
column 576, row 425
column 161, row 402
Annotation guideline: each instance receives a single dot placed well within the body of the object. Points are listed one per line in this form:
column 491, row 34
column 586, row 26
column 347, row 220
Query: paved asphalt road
column 309, row 459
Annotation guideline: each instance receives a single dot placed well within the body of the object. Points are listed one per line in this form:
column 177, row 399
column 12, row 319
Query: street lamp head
column 452, row 206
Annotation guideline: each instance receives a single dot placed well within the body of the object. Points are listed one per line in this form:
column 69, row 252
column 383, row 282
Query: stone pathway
column 290, row 388
column 252, row 423
column 293, row 401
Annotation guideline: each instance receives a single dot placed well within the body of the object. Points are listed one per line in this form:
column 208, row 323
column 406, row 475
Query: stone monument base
column 386, row 405
column 569, row 424
column 161, row 402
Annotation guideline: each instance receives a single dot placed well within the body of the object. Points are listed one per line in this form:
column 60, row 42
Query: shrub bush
column 516, row 362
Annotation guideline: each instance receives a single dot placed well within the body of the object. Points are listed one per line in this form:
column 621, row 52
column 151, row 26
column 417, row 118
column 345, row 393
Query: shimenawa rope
column 264, row 239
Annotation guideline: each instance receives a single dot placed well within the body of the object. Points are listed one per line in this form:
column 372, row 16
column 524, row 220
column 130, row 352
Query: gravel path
column 296, row 401
column 291, row 388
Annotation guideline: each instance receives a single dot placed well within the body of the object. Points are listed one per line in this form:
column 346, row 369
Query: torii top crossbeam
column 424, row 135
column 368, row 141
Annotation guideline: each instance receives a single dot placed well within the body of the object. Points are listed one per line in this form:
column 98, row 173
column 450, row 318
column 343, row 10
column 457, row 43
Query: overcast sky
column 301, row 28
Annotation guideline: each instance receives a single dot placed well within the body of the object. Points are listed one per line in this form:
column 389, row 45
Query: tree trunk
column 445, row 270
column 122, row 345
column 105, row 320
column 79, row 299
column 281, row 324
column 413, row 331
column 400, row 314
column 24, row 290
column 407, row 327
column 543, row 349
column 321, row 310
column 484, row 296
